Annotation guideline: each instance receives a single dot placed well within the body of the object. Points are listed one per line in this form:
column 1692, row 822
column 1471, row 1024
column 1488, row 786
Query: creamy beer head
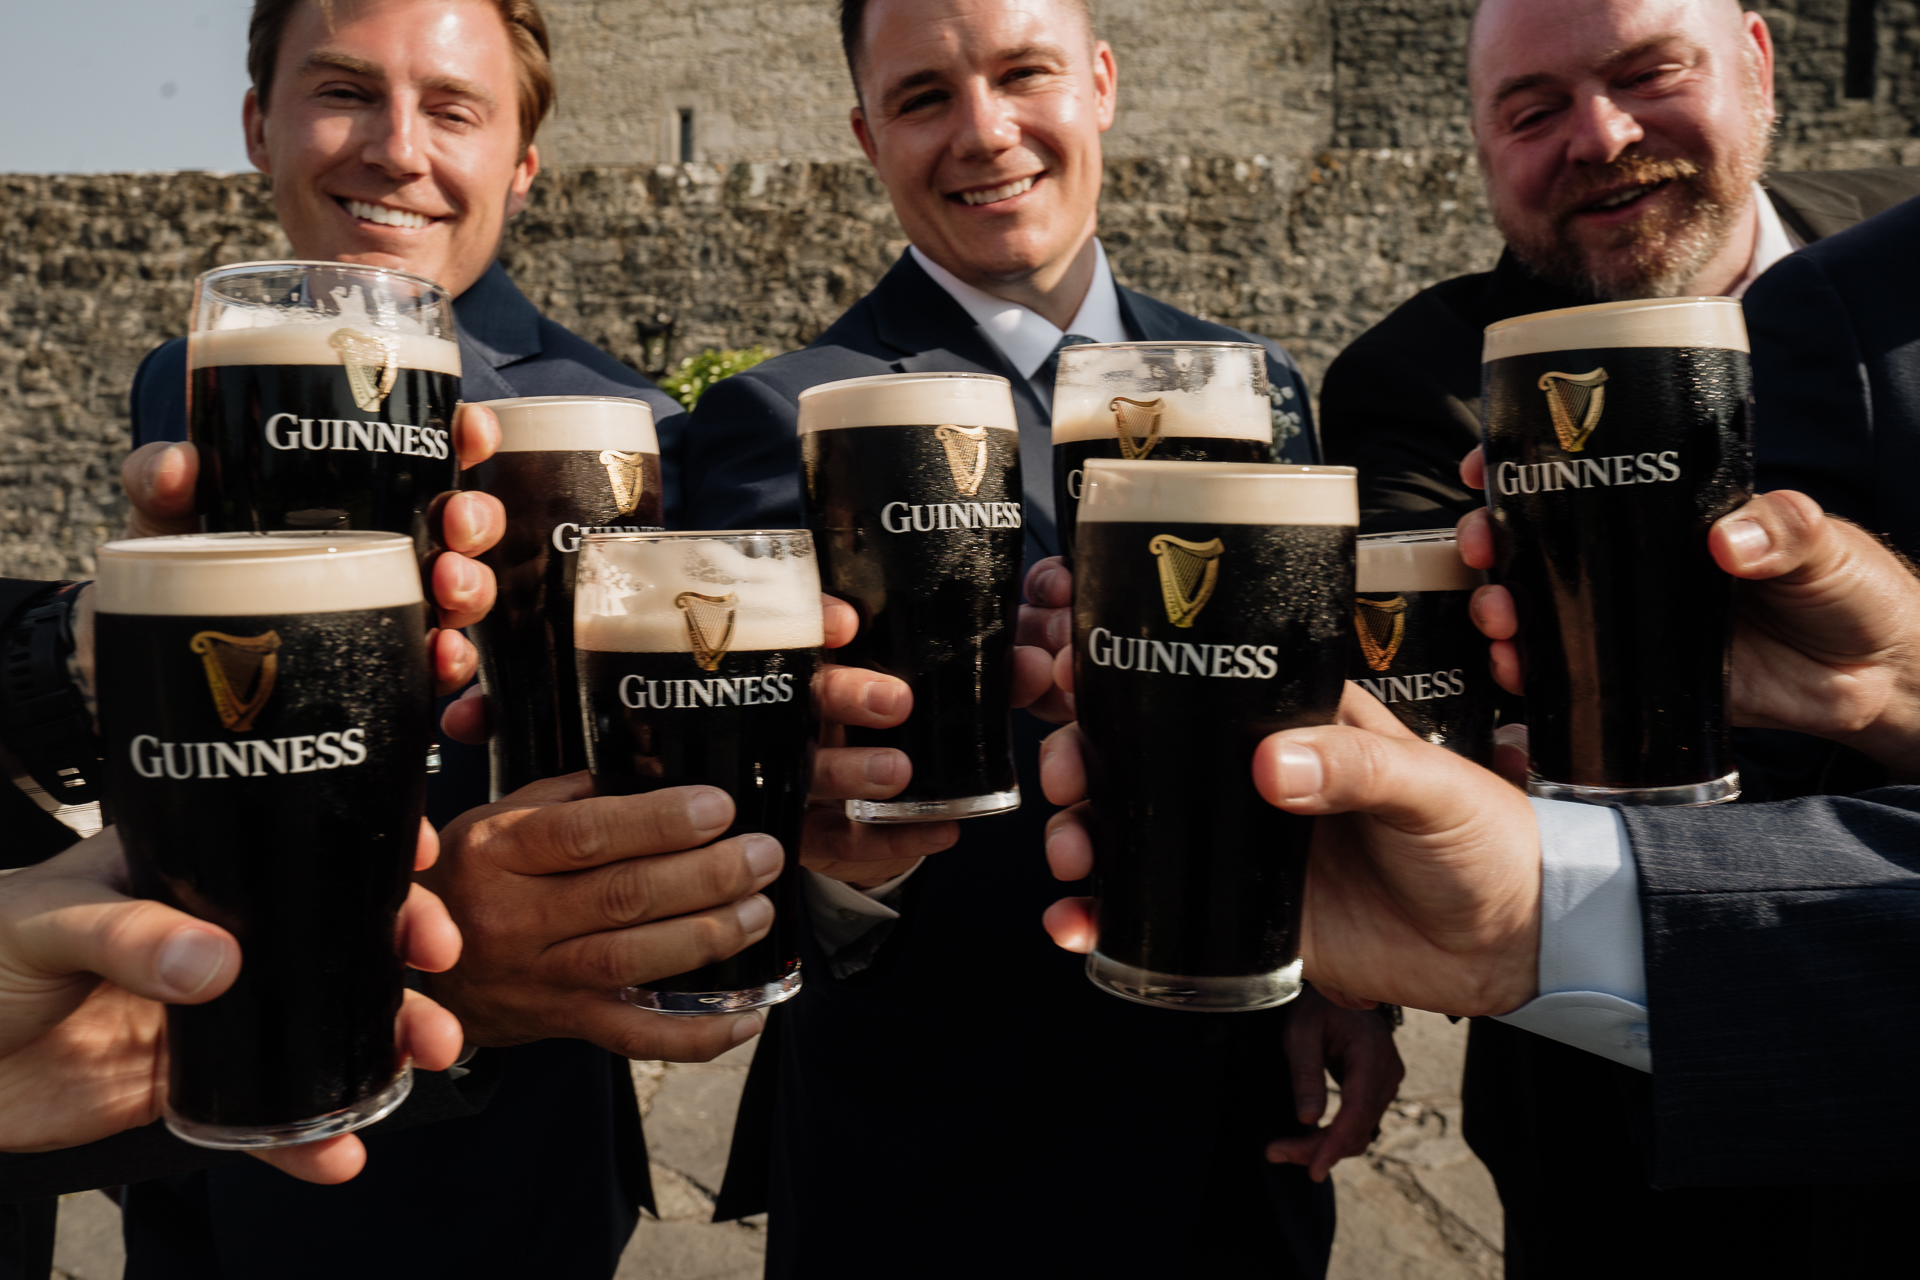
column 1424, row 560
column 320, row 313
column 1148, row 390
column 649, row 593
column 1699, row 323
column 313, row 341
column 910, row 399
column 539, row 424
column 256, row 574
column 1119, row 491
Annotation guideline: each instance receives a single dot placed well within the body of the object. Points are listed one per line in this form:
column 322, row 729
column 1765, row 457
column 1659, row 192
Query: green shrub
column 697, row 373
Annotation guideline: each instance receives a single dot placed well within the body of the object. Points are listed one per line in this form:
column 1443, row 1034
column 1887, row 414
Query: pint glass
column 266, row 705
column 1415, row 645
column 696, row 658
column 1163, row 401
column 321, row 396
column 1213, row 605
column 1616, row 435
column 912, row 485
column 566, row 465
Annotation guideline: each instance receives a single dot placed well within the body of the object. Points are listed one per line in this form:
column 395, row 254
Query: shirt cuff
column 1593, row 977
column 842, row 914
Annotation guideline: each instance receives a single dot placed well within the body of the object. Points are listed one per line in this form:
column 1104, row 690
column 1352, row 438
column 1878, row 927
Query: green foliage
column 697, row 373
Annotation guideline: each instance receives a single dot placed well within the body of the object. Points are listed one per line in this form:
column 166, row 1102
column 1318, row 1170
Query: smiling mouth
column 386, row 216
column 993, row 195
column 1622, row 198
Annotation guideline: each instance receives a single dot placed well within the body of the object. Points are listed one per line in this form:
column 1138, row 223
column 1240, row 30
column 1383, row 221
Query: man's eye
column 921, row 100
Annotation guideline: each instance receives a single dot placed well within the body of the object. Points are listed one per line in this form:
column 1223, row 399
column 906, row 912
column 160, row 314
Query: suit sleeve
column 1406, row 432
column 738, row 458
column 1812, row 407
column 1782, row 987
column 158, row 401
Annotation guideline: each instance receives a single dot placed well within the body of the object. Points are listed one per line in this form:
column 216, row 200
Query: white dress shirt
column 1772, row 241
column 841, row 913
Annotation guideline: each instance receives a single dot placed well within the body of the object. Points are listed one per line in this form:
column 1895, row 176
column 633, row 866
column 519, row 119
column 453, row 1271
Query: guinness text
column 345, row 435
column 248, row 758
column 1181, row 657
column 1417, row 688
column 1510, row 478
column 916, row 517
column 720, row 691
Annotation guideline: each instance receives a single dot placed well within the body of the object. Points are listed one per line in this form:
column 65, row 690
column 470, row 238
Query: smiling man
column 1624, row 147
column 950, row 1090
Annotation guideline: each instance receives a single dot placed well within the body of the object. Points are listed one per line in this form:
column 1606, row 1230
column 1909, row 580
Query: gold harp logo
column 966, row 455
column 1188, row 573
column 1137, row 423
column 240, row 673
column 1382, row 625
column 709, row 625
column 372, row 361
column 1575, row 401
column 624, row 474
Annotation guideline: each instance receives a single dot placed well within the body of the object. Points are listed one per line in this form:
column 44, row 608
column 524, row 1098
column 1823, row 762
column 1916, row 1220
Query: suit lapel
column 498, row 328
column 1811, row 210
column 932, row 333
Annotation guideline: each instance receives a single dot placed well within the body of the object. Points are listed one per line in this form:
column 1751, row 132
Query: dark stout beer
column 1163, row 401
column 566, row 465
column 265, row 702
column 321, row 396
column 1616, row 435
column 1415, row 646
column 1213, row 605
column 696, row 657
column 913, row 493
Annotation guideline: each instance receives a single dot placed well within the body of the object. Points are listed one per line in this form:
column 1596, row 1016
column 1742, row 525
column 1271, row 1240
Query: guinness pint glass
column 1213, row 605
column 1167, row 401
column 1415, row 646
column 696, row 657
column 266, row 705
column 321, row 396
column 912, row 486
column 566, row 465
column 1615, row 436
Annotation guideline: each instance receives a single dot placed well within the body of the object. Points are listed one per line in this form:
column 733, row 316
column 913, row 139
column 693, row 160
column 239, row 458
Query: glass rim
column 233, row 545
column 1411, row 537
column 1226, row 470
column 671, row 535
column 1172, row 346
column 237, row 268
column 881, row 379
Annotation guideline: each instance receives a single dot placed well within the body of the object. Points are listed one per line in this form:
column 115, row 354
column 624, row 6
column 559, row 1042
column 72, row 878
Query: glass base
column 1203, row 995
column 256, row 1137
column 933, row 810
column 1718, row 791
column 696, row 1004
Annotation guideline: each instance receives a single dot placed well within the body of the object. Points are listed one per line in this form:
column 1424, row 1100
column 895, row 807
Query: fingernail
column 883, row 767
column 1301, row 774
column 763, row 855
column 883, row 698
column 1059, row 630
column 1748, row 540
column 1042, row 593
column 748, row 1025
column 190, row 960
column 708, row 809
column 754, row 913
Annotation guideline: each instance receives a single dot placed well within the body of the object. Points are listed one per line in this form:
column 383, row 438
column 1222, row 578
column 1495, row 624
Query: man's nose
column 394, row 144
column 985, row 122
column 1601, row 130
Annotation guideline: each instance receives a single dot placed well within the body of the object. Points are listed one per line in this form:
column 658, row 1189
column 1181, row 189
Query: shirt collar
column 1024, row 336
column 1772, row 241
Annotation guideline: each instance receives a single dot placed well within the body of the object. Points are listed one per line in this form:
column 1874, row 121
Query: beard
column 1656, row 255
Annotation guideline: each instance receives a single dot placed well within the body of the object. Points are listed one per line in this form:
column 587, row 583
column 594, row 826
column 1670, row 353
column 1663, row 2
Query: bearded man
column 1624, row 147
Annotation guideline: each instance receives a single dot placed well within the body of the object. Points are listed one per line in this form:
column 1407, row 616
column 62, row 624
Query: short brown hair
column 853, row 18
column 526, row 28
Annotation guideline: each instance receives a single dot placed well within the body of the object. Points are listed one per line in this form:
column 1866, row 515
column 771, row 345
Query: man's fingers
column 1307, row 1065
column 1069, row 922
column 859, row 773
column 551, row 836
column 1063, row 769
column 613, row 959
column 1362, row 710
column 463, row 588
column 1410, row 784
column 1475, row 534
column 159, row 481
column 1503, row 659
column 1473, row 468
column 328, row 1162
column 1069, row 847
column 868, row 853
column 427, row 1033
column 1049, row 584
column 1776, row 534
column 454, row 661
column 640, row 890
column 429, row 939
column 1032, row 675
column 426, row 850
column 1491, row 608
column 476, row 434
column 868, row 699
column 641, row 1033
column 465, row 720
column 472, row 522
column 839, row 620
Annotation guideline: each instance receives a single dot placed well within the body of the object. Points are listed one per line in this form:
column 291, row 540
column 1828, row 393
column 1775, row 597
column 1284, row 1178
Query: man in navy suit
column 948, row 1083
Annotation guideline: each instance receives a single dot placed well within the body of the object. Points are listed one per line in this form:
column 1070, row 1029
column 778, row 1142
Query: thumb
column 1400, row 779
column 159, row 479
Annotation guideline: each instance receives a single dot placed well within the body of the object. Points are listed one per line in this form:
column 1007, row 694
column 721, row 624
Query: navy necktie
column 1043, row 376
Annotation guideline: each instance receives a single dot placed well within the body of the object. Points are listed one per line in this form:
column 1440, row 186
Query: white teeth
column 386, row 217
column 1007, row 192
column 1615, row 201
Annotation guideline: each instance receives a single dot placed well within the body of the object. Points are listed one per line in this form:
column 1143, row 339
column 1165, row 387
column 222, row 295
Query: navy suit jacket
column 972, row 1058
column 1836, row 374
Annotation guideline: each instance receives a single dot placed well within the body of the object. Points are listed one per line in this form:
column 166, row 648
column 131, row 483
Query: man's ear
column 1106, row 85
column 523, row 175
column 858, row 119
column 1757, row 31
column 253, row 120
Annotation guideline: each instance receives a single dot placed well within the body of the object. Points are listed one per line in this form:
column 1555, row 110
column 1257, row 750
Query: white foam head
column 1150, row 492
column 627, row 585
column 910, row 399
column 548, row 423
column 1645, row 322
column 1212, row 389
column 239, row 575
column 311, row 342
column 1426, row 560
column 253, row 313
